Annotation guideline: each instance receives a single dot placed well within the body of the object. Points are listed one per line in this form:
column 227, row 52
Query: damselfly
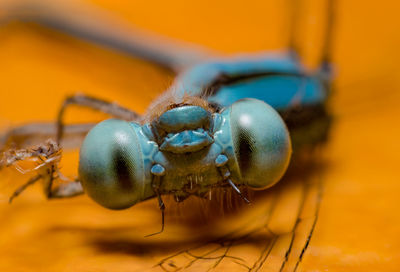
column 202, row 133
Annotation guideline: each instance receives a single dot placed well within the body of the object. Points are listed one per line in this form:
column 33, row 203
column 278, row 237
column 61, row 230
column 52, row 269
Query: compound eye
column 111, row 165
column 261, row 142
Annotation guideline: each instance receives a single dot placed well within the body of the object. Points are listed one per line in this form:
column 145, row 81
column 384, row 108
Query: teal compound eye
column 111, row 166
column 261, row 142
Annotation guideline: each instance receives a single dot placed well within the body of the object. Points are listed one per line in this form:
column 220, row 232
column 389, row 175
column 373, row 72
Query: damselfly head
column 246, row 144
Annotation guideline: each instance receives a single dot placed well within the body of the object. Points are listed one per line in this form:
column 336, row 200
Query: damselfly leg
column 48, row 155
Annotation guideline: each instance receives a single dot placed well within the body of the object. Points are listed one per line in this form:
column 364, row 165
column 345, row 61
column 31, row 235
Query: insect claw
column 162, row 208
column 246, row 200
column 158, row 232
column 161, row 205
column 237, row 190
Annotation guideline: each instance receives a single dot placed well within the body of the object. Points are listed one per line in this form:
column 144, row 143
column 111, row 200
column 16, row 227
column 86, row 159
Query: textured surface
column 358, row 225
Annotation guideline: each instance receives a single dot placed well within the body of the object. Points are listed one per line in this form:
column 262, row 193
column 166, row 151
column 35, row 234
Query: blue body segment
column 221, row 160
column 279, row 81
column 280, row 92
column 204, row 74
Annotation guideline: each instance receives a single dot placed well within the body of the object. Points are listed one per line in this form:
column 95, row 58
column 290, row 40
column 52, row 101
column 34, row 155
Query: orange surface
column 358, row 228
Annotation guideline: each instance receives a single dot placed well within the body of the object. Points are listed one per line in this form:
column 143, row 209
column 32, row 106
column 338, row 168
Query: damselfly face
column 190, row 149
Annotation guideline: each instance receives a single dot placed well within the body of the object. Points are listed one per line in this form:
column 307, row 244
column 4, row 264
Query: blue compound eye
column 261, row 142
column 111, row 165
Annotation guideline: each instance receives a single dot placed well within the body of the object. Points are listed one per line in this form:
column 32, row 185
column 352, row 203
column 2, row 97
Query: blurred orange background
column 358, row 228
